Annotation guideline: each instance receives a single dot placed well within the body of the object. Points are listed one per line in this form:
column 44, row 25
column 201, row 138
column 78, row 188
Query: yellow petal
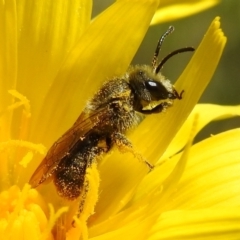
column 47, row 32
column 207, row 113
column 134, row 227
column 204, row 224
column 172, row 10
column 205, row 202
column 212, row 177
column 8, row 62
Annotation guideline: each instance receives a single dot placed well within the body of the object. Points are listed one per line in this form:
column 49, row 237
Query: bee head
column 150, row 89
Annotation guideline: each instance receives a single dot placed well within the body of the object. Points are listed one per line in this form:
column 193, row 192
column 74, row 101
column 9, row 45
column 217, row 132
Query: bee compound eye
column 152, row 85
column 156, row 89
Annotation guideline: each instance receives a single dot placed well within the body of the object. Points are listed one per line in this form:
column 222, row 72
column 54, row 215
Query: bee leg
column 124, row 145
column 83, row 196
column 82, row 201
column 85, row 186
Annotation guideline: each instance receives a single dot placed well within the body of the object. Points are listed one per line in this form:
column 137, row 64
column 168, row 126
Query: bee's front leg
column 124, row 145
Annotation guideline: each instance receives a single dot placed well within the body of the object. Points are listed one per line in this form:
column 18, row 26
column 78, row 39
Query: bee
column 118, row 106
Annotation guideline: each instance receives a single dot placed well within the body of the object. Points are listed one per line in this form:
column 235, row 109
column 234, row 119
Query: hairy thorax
column 115, row 102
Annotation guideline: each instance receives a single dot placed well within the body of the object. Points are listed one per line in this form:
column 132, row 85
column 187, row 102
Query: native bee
column 117, row 106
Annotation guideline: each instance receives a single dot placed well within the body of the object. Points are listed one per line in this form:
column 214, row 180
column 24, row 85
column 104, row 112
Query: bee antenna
column 158, row 48
column 164, row 60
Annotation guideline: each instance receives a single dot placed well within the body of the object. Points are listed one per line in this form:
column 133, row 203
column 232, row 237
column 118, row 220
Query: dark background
column 225, row 85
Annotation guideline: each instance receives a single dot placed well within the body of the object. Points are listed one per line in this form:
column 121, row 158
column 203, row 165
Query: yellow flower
column 52, row 60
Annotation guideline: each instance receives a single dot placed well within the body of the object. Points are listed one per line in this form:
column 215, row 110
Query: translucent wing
column 64, row 144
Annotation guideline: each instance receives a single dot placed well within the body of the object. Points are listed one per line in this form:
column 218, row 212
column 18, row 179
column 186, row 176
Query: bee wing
column 63, row 146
